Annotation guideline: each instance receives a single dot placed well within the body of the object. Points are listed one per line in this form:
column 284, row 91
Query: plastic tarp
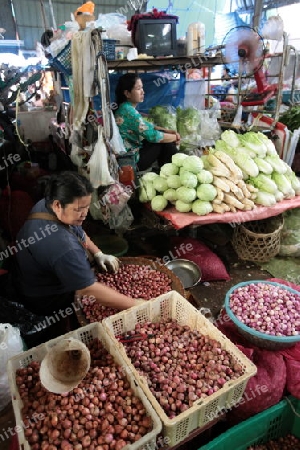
column 161, row 88
column 181, row 220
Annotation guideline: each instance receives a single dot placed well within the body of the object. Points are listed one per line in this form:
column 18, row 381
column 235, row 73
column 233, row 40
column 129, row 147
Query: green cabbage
column 173, row 181
column 186, row 195
column 146, row 191
column 188, row 179
column 192, row 164
column 168, row 169
column 201, row 207
column 206, row 192
column 205, row 176
column 170, row 195
column 178, row 159
column 149, row 176
column 160, row 184
column 158, row 203
column 182, row 206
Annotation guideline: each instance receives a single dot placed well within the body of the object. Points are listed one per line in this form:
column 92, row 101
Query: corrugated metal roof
column 34, row 16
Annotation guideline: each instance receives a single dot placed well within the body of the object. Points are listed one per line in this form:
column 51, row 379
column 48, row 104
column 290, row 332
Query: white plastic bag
column 116, row 142
column 98, row 163
column 10, row 345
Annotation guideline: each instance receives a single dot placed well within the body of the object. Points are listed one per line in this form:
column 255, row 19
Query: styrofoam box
column 173, row 306
column 86, row 335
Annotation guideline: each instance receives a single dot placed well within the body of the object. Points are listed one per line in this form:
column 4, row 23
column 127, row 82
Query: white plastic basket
column 173, row 306
column 86, row 335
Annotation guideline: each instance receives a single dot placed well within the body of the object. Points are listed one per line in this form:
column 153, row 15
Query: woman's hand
column 107, row 262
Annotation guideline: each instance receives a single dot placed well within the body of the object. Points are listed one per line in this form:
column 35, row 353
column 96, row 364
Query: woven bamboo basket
column 258, row 240
column 176, row 284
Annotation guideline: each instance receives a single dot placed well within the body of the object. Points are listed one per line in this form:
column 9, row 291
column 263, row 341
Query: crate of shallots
column 107, row 409
column 188, row 369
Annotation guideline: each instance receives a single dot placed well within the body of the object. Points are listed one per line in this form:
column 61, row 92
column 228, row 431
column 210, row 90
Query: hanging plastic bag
column 10, row 344
column 98, row 163
column 116, row 142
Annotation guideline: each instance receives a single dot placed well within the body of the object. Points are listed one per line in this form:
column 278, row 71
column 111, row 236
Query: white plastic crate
column 173, row 306
column 86, row 335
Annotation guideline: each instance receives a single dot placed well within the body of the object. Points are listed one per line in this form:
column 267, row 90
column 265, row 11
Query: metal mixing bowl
column 187, row 271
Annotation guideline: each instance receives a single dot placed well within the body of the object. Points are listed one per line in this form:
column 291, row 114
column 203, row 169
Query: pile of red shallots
column 267, row 308
column 137, row 281
column 181, row 365
column 102, row 413
column 288, row 442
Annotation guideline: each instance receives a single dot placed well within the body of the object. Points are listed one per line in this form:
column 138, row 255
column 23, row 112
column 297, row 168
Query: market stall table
column 180, row 220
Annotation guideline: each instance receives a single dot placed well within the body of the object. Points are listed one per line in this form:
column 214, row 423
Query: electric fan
column 243, row 49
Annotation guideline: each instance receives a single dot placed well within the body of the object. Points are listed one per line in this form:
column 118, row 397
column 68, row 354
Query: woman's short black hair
column 66, row 187
column 125, row 83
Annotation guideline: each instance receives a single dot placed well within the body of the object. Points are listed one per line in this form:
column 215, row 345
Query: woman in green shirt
column 152, row 142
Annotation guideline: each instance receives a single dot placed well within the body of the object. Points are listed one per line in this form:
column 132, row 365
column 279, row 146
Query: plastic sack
column 263, row 390
column 120, row 33
column 111, row 207
column 273, row 28
column 10, row 344
column 292, row 361
column 109, row 21
column 209, row 125
column 98, row 163
column 267, row 387
column 116, row 141
column 211, row 266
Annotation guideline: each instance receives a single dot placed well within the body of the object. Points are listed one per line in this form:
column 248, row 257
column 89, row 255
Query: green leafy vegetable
column 169, row 169
column 201, row 207
column 178, row 159
column 192, row 164
column 170, row 195
column 173, row 181
column 206, row 192
column 186, row 195
column 188, row 179
column 158, row 203
column 264, row 183
column 182, row 206
column 160, row 184
column 205, row 176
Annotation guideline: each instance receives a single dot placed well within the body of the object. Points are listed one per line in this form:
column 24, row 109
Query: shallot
column 137, row 281
column 267, row 308
column 181, row 365
column 94, row 415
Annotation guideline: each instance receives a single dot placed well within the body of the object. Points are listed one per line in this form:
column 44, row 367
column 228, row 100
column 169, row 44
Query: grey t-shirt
column 51, row 259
